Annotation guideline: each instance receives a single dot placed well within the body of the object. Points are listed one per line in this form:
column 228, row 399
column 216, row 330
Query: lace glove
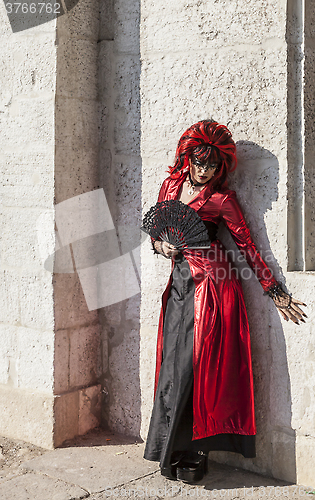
column 286, row 304
column 164, row 248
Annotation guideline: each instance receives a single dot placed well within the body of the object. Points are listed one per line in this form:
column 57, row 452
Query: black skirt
column 171, row 422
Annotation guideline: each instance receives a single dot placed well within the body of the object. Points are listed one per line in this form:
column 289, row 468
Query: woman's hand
column 289, row 309
column 165, row 249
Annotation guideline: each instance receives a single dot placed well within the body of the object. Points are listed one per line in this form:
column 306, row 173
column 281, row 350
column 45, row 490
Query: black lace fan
column 176, row 223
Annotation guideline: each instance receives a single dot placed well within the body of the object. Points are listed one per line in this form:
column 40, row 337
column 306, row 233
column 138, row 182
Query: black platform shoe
column 171, row 471
column 192, row 467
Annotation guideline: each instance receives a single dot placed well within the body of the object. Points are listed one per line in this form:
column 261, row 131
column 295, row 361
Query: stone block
column 76, row 126
column 71, row 309
column 77, row 68
column 210, row 24
column 61, row 362
column 20, row 238
column 37, row 129
column 124, row 400
column 66, row 414
column 125, row 184
column 34, row 64
column 90, row 400
column 36, row 300
column 10, row 284
column 8, row 354
column 76, row 413
column 6, row 74
column 27, row 168
column 17, row 195
column 302, row 395
column 85, row 356
column 104, row 126
column 35, row 359
column 305, row 459
column 127, row 106
column 82, row 21
column 227, row 80
column 107, row 22
column 309, row 19
column 76, row 171
column 106, row 67
column 27, row 415
column 127, row 29
column 284, row 455
column 280, row 388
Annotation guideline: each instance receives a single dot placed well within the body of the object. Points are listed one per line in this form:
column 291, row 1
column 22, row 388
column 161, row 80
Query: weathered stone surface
column 180, row 26
column 90, row 400
column 263, row 78
column 61, row 361
column 22, row 246
column 9, row 296
column 284, row 457
column 76, row 413
column 76, row 128
column 35, row 351
column 84, row 356
column 107, row 466
column 75, row 170
column 36, row 307
column 66, row 413
column 82, row 21
column 220, row 482
column 27, row 415
column 77, row 79
column 36, row 487
column 305, row 452
column 70, row 305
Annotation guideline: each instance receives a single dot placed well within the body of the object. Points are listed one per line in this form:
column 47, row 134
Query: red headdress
column 207, row 141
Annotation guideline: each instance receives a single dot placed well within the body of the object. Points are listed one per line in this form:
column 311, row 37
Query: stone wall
column 229, row 60
column 50, row 342
column 97, row 100
column 27, row 110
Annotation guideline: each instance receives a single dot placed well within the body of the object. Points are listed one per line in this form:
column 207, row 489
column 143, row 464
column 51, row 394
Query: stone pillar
column 27, row 110
column 50, row 342
column 121, row 177
column 78, row 359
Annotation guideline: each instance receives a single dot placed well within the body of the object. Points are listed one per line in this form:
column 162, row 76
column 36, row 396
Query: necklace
column 191, row 190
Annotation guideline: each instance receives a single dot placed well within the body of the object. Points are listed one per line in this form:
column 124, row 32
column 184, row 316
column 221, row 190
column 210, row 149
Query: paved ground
column 102, row 465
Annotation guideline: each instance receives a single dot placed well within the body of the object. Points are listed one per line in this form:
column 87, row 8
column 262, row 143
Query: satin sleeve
column 163, row 190
column 233, row 217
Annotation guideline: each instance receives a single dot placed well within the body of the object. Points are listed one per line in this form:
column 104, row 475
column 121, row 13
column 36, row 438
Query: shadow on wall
column 120, row 177
column 256, row 184
column 98, row 167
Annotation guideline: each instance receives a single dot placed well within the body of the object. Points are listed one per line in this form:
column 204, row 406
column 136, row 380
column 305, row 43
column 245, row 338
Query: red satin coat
column 223, row 397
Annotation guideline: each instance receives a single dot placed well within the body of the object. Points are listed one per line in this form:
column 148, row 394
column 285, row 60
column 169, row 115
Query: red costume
column 204, row 383
column 223, row 400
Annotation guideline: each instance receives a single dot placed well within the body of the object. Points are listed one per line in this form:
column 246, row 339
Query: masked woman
column 204, row 383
